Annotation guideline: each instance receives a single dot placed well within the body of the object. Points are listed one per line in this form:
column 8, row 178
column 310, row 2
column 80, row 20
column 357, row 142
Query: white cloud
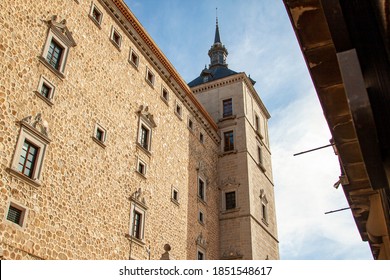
column 304, row 187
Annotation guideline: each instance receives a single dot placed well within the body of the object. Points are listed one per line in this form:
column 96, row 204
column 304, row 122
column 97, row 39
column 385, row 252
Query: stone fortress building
column 106, row 153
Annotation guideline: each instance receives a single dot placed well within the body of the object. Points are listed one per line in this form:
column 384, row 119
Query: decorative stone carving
column 62, row 30
column 137, row 196
column 201, row 241
column 229, row 182
column 38, row 123
column 144, row 112
column 231, row 253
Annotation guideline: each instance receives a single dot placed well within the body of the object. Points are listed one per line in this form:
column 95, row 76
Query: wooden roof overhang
column 350, row 71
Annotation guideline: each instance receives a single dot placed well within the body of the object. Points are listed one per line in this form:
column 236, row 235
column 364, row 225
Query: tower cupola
column 217, row 52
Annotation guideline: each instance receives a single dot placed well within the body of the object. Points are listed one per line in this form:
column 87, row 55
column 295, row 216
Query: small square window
column 175, row 195
column 150, row 77
column 201, row 137
column 45, row 90
column 134, row 58
column 141, row 167
column 96, row 15
column 16, row 214
column 100, row 134
column 178, row 110
column 165, row 94
column 190, row 124
column 116, row 38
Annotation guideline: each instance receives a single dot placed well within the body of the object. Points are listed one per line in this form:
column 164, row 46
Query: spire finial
column 217, row 38
column 216, row 15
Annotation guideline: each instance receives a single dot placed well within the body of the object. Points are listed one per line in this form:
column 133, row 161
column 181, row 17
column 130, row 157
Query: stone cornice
column 123, row 15
column 230, row 80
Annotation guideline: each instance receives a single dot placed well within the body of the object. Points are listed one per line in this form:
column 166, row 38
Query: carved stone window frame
column 146, row 121
column 60, row 34
column 35, row 131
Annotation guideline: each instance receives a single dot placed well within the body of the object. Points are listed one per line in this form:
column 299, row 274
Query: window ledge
column 228, row 153
column 141, row 174
column 264, row 221
column 259, row 135
column 100, row 143
column 178, row 115
column 230, row 211
column 17, row 174
column 165, row 100
column 149, row 83
column 202, row 201
column 115, row 45
column 261, row 166
column 232, row 117
column 175, row 201
column 147, row 152
column 51, row 68
column 133, row 64
column 135, row 240
column 47, row 100
column 95, row 22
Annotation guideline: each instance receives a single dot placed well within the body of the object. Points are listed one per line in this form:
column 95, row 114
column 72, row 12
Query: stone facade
column 120, row 140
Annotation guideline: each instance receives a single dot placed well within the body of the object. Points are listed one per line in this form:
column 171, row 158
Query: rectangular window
column 260, row 155
column 54, row 54
column 116, row 38
column 201, row 217
column 96, row 15
column 190, row 124
column 45, row 90
column 175, row 195
column 230, row 198
column 137, row 225
column 264, row 212
column 257, row 123
column 201, row 189
column 150, row 77
column 141, row 168
column 227, row 107
column 178, row 110
column 200, row 255
column 165, row 94
column 201, row 137
column 134, row 59
column 100, row 135
column 228, row 141
column 144, row 137
column 28, row 158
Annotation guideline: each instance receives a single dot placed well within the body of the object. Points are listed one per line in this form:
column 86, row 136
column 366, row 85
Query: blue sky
column 261, row 43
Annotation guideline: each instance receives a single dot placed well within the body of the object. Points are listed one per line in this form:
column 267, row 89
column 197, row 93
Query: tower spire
column 217, row 38
column 217, row 52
